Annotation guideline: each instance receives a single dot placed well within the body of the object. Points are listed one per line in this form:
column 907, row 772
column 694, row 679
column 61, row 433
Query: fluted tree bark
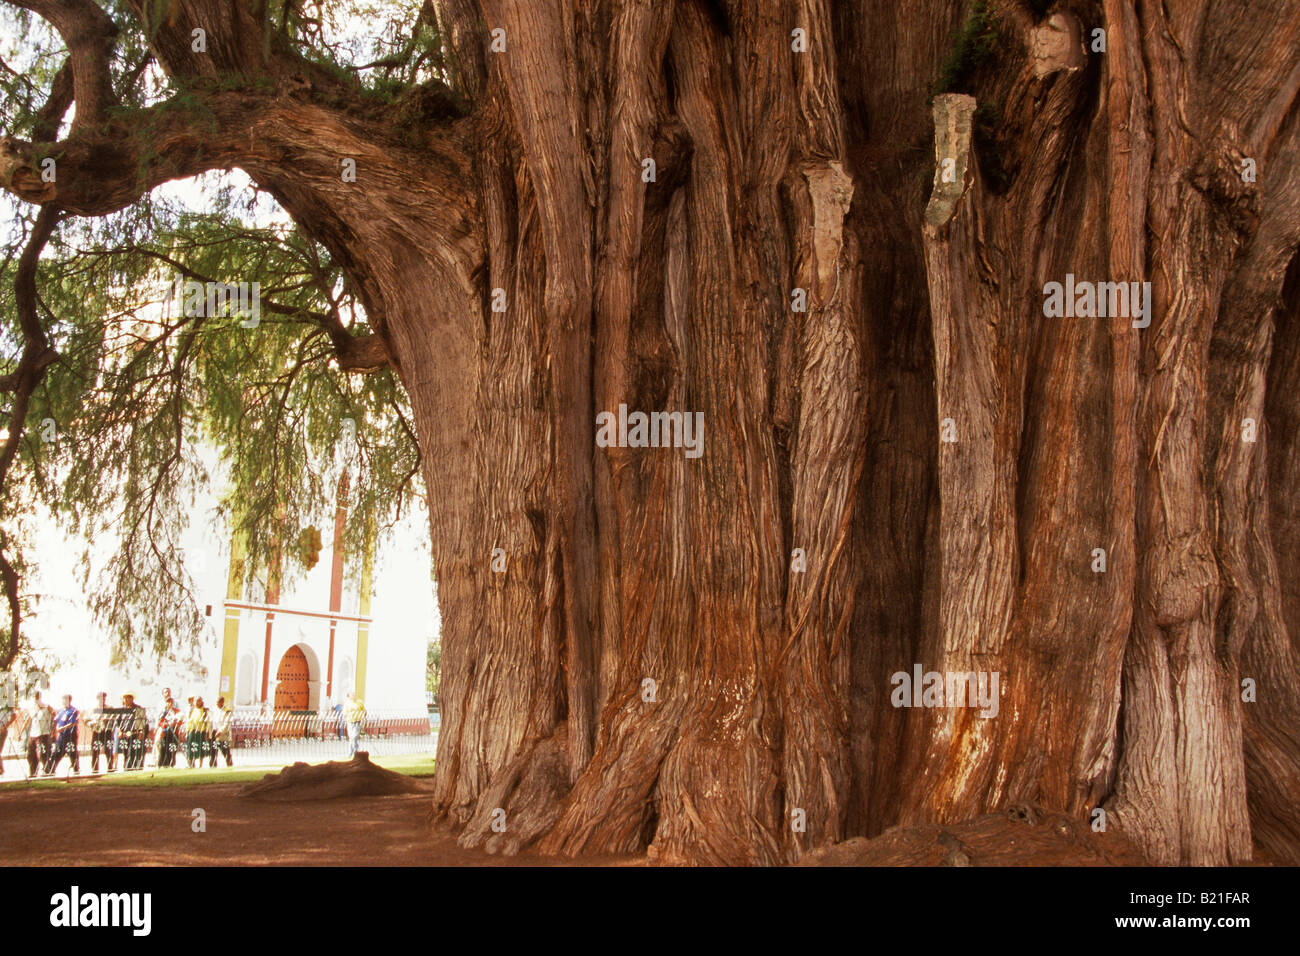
column 829, row 230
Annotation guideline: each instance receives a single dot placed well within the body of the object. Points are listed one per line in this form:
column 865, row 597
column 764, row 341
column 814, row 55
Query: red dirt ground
column 125, row 826
column 128, row 826
column 1022, row 836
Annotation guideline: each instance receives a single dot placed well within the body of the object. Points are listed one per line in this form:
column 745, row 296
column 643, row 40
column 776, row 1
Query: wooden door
column 292, row 691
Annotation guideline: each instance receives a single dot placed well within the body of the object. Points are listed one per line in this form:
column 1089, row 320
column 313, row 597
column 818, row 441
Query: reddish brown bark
column 653, row 668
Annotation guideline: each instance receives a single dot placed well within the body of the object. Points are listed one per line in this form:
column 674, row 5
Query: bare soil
column 1023, row 836
column 357, row 777
column 130, row 826
column 329, row 816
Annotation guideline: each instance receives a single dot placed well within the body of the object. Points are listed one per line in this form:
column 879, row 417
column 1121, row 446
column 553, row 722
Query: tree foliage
column 141, row 393
column 601, row 205
column 433, row 668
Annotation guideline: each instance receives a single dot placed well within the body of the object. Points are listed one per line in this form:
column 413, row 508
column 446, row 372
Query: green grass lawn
column 414, row 765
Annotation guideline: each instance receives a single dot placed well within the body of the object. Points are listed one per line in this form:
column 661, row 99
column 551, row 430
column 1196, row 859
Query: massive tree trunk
column 720, row 208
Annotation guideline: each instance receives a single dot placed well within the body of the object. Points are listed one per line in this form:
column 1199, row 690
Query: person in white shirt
column 355, row 712
column 40, row 734
column 221, row 732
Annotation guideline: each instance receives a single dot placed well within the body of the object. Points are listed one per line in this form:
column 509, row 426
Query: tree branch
column 102, row 169
column 10, row 578
column 37, row 355
column 354, row 353
column 60, row 98
column 89, row 33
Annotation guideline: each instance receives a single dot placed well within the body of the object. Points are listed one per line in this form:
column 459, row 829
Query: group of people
column 195, row 732
column 123, row 736
column 123, row 733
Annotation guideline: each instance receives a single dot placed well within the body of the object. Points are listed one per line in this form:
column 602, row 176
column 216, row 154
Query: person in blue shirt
column 65, row 735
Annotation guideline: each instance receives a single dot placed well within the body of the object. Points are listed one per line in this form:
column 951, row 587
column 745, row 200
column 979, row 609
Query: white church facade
column 297, row 648
column 305, row 647
column 300, row 649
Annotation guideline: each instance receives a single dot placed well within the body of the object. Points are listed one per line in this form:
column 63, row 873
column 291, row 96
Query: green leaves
column 975, row 44
column 148, row 408
column 433, row 668
column 154, row 407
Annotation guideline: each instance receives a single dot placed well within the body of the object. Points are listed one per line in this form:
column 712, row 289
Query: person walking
column 355, row 712
column 101, row 733
column 221, row 735
column 40, row 730
column 65, row 736
column 132, row 733
column 197, row 726
column 183, row 742
column 207, row 748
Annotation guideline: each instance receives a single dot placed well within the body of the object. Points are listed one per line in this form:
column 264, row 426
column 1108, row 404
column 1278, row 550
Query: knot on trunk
column 957, row 855
column 1226, row 177
column 1023, row 813
column 18, row 172
column 1056, row 44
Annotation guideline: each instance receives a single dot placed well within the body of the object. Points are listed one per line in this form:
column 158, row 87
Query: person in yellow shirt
column 197, row 727
column 355, row 714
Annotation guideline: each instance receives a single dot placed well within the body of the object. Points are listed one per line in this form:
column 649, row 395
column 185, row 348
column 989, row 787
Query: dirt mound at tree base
column 1022, row 836
column 357, row 777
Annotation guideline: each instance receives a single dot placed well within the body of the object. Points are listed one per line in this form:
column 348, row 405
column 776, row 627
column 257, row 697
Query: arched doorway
column 293, row 681
column 297, row 692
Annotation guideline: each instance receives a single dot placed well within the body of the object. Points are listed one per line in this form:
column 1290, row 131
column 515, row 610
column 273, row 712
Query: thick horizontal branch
column 99, row 170
column 359, row 353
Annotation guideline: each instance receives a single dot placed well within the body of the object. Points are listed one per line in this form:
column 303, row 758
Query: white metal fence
column 257, row 737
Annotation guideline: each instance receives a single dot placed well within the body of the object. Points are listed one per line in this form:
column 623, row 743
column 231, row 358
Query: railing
column 289, row 736
column 252, row 727
column 257, row 737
